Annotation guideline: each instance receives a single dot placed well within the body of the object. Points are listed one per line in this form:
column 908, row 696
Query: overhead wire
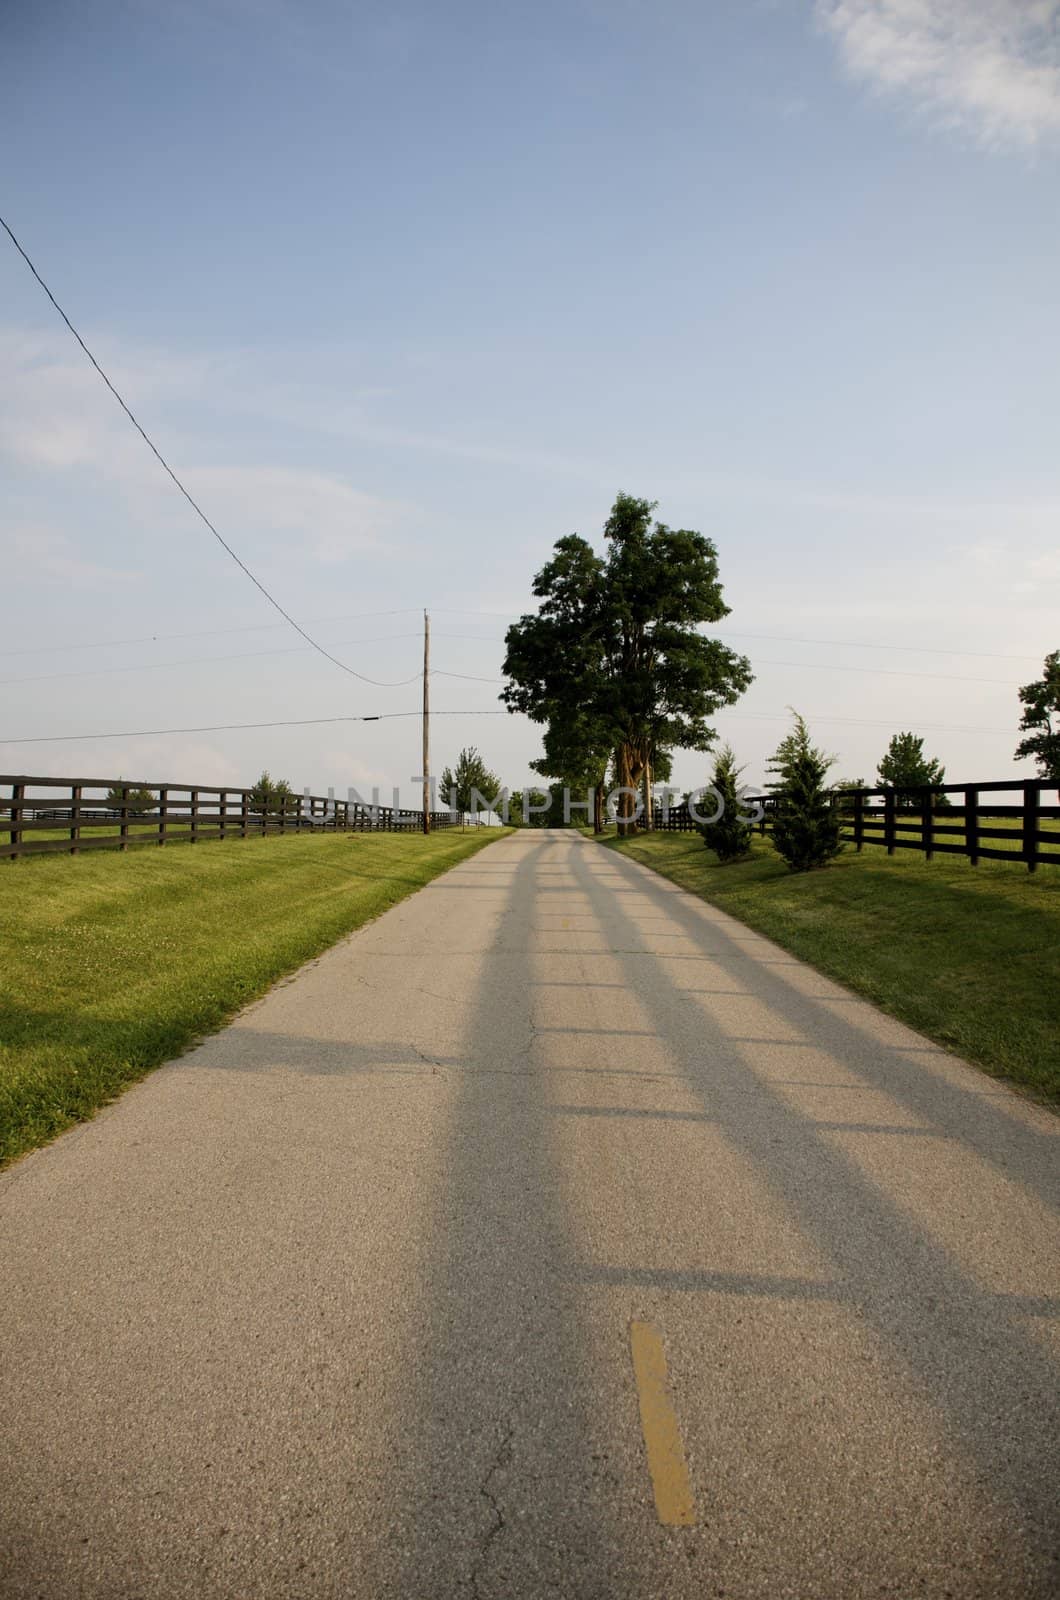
column 320, row 649
column 356, row 616
column 388, row 716
column 199, row 661
column 470, row 677
column 200, row 513
column 204, row 633
column 865, row 644
column 238, row 727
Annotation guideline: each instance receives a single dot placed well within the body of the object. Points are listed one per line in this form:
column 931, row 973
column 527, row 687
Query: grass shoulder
column 969, row 956
column 114, row 963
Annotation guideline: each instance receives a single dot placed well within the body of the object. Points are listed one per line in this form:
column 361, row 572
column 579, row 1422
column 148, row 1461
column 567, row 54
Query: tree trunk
column 630, row 766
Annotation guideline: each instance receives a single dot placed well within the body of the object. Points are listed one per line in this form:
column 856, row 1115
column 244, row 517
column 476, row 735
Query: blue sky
column 406, row 292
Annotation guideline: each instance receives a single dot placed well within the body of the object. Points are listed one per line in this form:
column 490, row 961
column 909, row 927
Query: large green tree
column 904, row 766
column 1041, row 720
column 613, row 656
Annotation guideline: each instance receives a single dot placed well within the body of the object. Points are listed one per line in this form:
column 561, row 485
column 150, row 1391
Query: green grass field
column 968, row 955
column 112, row 962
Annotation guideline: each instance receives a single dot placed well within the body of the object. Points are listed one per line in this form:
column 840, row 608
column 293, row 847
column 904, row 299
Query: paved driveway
column 553, row 1236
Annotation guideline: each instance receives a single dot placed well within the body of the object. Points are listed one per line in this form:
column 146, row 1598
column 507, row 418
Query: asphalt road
column 553, row 1236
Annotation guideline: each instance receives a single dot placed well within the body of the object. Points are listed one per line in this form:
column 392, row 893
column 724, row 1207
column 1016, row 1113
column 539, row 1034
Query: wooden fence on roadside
column 39, row 815
column 914, row 819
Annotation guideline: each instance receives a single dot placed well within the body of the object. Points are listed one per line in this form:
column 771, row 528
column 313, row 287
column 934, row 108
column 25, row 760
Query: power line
column 861, row 644
column 199, row 661
column 811, row 666
column 240, row 727
column 388, row 716
column 469, row 677
column 200, row 513
column 884, row 672
column 256, row 627
column 787, row 638
column 858, row 722
column 482, row 638
column 208, row 633
column 225, row 727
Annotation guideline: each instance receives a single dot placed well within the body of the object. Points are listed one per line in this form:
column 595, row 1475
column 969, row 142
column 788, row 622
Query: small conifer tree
column 806, row 821
column 730, row 836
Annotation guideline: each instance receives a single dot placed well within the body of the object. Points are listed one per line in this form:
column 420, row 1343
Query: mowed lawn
column 968, row 955
column 113, row 962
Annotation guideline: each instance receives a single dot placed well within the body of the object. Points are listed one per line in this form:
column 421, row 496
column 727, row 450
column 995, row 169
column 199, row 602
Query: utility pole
column 426, row 722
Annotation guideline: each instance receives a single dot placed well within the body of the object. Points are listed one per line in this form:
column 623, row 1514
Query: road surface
column 555, row 1235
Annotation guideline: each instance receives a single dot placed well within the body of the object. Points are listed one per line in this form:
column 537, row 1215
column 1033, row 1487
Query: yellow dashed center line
column 662, row 1436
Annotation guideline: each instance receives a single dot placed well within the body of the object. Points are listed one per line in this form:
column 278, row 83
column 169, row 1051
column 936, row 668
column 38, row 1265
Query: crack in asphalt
column 493, row 1532
column 431, row 1061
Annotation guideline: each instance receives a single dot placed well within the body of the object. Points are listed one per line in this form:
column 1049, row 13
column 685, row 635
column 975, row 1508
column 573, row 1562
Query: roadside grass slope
column 112, row 963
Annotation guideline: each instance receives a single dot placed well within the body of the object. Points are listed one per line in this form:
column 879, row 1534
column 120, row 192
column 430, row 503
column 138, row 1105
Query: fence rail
column 42, row 815
column 943, row 819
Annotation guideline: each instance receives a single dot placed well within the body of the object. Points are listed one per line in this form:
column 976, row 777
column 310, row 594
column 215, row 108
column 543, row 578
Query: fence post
column 75, row 818
column 971, row 825
column 123, row 814
column 244, row 813
column 222, row 812
column 18, row 792
column 927, row 824
column 194, row 815
column 1032, row 800
column 859, row 819
column 889, row 799
column 163, row 813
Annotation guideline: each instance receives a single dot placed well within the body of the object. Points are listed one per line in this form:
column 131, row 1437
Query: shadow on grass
column 969, row 955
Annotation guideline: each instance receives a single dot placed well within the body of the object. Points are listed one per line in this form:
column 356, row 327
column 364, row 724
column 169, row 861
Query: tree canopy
column 905, row 766
column 269, row 793
column 1041, row 720
column 613, row 662
column 469, row 774
column 136, row 801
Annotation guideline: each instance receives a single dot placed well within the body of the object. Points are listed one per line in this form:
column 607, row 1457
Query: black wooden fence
column 944, row 819
column 38, row 815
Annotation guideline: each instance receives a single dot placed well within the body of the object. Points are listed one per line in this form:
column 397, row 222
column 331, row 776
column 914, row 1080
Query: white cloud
column 332, row 520
column 55, row 412
column 51, row 554
column 56, row 416
column 987, row 69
